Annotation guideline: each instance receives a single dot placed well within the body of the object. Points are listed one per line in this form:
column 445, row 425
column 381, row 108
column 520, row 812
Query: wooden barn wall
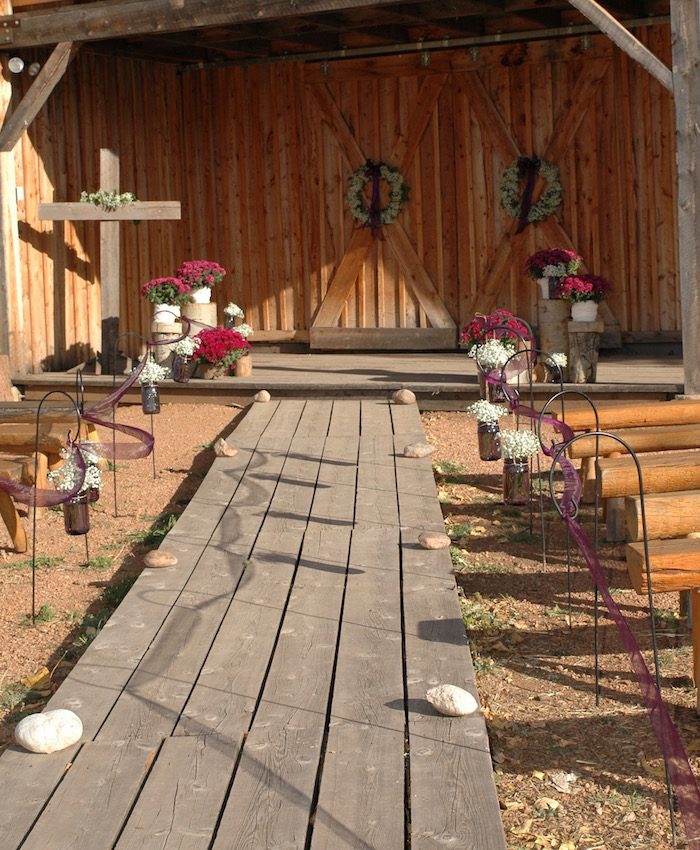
column 262, row 181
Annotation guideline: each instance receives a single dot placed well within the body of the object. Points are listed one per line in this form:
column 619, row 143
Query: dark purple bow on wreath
column 528, row 169
column 375, row 221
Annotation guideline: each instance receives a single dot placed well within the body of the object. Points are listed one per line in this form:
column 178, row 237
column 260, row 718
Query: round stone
column 434, row 540
column 418, row 450
column 160, row 558
column 404, row 397
column 263, row 396
column 222, row 449
column 451, row 700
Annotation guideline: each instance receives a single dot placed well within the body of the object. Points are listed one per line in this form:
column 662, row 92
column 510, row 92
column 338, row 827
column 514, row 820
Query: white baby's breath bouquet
column 492, row 354
column 484, row 411
column 557, row 359
column 519, row 445
column 152, row 373
column 186, row 347
column 233, row 310
column 67, row 475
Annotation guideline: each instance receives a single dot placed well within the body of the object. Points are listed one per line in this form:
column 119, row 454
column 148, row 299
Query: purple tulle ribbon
column 682, row 779
column 528, row 169
column 372, row 170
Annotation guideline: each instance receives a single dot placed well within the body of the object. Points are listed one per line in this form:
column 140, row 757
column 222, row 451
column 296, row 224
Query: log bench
column 20, row 470
column 18, row 436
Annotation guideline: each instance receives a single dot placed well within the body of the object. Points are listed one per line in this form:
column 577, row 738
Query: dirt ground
column 571, row 775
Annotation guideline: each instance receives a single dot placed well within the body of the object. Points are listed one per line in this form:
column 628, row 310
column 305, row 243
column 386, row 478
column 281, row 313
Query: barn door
column 422, row 320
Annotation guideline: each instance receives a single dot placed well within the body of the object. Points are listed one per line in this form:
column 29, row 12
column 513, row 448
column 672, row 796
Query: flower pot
column 166, row 314
column 212, row 371
column 489, row 438
column 516, row 482
column 201, row 295
column 150, row 399
column 76, row 515
column 543, row 283
column 244, row 366
column 584, row 311
column 181, row 369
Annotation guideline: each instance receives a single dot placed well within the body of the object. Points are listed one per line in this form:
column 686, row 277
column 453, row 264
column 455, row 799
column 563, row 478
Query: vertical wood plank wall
column 262, row 182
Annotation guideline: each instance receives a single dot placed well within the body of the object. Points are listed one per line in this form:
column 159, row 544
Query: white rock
column 263, row 396
column 418, row 450
column 434, row 540
column 404, row 397
column 451, row 700
column 50, row 731
column 222, row 449
column 160, row 558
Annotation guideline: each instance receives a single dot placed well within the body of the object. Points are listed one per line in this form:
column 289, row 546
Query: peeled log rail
column 651, row 439
column 666, row 473
column 673, row 564
column 667, row 515
column 616, row 414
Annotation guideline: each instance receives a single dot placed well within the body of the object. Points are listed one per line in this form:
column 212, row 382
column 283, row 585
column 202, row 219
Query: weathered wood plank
column 343, row 281
column 662, row 473
column 179, row 805
column 382, row 339
column 140, row 210
column 667, row 515
column 361, row 799
column 86, row 810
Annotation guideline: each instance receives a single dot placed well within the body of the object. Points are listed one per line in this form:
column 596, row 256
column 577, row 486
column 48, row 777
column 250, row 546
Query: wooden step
column 615, row 414
column 663, row 473
column 668, row 515
column 656, row 438
column 674, row 565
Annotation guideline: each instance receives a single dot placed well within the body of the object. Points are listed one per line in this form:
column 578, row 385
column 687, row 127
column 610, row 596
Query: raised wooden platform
column 269, row 690
column 440, row 380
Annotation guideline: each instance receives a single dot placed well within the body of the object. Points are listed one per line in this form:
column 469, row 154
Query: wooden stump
column 552, row 320
column 162, row 333
column 201, row 316
column 584, row 342
column 244, row 367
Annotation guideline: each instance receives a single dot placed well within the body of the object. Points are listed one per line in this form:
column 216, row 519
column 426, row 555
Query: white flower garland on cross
column 398, row 193
column 550, row 199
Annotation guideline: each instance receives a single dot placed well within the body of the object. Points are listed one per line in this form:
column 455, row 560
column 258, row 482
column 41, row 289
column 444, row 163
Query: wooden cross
column 109, row 244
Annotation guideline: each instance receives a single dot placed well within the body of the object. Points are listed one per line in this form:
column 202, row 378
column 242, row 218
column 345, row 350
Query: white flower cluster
column 558, row 359
column 186, row 347
column 556, row 270
column 152, row 373
column 67, row 475
column 484, row 411
column 398, row 194
column 109, row 201
column 519, row 445
column 244, row 330
column 234, row 310
column 491, row 354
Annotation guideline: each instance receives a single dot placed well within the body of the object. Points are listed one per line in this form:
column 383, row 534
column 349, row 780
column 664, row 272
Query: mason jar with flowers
column 584, row 292
column 149, row 377
column 167, row 294
column 219, row 350
column 549, row 266
column 487, row 429
column 184, row 351
column 517, row 447
column 490, row 357
column 66, row 477
column 200, row 276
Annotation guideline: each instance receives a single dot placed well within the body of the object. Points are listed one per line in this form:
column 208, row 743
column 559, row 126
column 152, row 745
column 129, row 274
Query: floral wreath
column 373, row 215
column 511, row 199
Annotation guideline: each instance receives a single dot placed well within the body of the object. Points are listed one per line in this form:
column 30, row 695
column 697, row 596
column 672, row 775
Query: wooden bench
column 19, row 436
column 20, row 470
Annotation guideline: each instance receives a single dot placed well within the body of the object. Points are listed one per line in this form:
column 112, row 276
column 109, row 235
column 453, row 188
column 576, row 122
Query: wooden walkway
column 268, row 691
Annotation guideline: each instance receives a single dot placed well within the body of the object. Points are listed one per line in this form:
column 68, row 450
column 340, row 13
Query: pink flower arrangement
column 166, row 290
column 552, row 262
column 501, row 324
column 585, row 287
column 220, row 347
column 200, row 273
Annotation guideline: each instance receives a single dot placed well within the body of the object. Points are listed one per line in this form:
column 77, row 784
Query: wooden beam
column 685, row 39
column 140, row 210
column 122, row 18
column 344, row 279
column 45, row 82
column 624, row 39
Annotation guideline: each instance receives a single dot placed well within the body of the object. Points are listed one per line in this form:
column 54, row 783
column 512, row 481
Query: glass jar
column 76, row 515
column 489, row 437
column 150, row 399
column 516, row 481
column 181, row 369
column 490, row 392
column 93, row 494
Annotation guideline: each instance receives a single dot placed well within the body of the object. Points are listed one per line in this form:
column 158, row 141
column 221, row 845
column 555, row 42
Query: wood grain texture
column 674, row 565
column 662, row 473
column 650, row 439
column 667, row 515
column 617, row 413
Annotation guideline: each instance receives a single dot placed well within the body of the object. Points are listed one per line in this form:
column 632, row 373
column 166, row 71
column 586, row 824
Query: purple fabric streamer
column 375, row 221
column 680, row 772
column 527, row 168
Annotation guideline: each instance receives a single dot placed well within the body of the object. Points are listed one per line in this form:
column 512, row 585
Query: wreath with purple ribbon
column 374, row 215
column 521, row 206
